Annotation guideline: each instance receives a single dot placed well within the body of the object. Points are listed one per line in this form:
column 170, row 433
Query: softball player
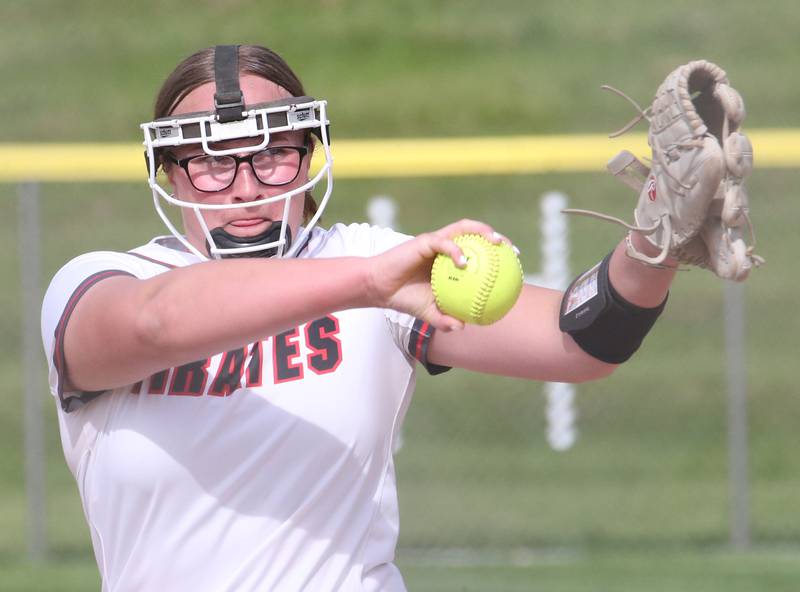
column 229, row 394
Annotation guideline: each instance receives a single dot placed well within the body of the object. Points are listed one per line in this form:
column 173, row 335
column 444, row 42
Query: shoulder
column 71, row 282
column 82, row 272
column 359, row 240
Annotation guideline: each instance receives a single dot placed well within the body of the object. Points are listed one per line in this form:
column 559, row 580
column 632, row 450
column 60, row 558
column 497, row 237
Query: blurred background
column 642, row 500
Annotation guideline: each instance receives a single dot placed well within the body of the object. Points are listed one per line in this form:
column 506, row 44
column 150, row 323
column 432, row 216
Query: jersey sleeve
column 411, row 335
column 66, row 289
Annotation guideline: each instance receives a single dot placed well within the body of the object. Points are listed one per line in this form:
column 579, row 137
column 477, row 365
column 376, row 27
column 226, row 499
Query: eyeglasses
column 275, row 165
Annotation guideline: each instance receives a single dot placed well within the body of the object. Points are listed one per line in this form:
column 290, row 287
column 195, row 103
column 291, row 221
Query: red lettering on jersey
column 285, row 351
column 158, row 383
column 229, row 375
column 254, row 367
column 288, row 363
column 190, row 379
column 326, row 347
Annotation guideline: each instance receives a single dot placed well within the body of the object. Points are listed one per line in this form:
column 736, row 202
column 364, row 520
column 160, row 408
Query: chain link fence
column 488, row 465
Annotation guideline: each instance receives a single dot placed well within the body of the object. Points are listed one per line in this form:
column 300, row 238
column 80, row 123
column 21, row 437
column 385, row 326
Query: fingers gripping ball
column 483, row 291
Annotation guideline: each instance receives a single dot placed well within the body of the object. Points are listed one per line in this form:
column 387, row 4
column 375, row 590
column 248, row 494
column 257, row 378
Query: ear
column 169, row 170
column 310, row 142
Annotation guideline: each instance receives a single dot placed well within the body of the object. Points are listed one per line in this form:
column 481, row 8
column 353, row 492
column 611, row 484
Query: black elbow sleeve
column 600, row 321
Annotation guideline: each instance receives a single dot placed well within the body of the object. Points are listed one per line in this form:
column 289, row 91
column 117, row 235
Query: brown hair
column 198, row 69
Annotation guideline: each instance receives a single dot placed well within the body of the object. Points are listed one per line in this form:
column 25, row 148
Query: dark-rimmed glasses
column 275, row 166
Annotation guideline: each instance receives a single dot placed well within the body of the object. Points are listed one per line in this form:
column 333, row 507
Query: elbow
column 152, row 324
column 593, row 369
column 586, row 363
column 601, row 370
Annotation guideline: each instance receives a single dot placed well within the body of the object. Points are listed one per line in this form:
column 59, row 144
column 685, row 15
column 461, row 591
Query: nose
column 246, row 186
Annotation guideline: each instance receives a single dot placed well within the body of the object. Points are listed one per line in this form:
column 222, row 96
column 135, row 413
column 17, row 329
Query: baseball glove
column 692, row 202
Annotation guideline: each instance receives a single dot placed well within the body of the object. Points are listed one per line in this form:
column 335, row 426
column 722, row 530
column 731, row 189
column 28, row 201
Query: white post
column 737, row 415
column 561, row 414
column 560, row 396
column 32, row 372
column 382, row 211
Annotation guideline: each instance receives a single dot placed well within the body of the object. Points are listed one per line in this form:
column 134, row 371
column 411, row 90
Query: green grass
column 519, row 570
column 651, row 570
column 87, row 70
column 641, row 502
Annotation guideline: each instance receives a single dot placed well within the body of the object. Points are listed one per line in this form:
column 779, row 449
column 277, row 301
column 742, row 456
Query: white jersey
column 268, row 467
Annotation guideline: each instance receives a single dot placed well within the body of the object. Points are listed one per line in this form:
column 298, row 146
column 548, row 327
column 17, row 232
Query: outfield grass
column 87, row 70
column 641, row 499
column 521, row 570
column 653, row 571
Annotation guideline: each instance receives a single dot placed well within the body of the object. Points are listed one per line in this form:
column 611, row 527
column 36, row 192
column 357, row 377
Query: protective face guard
column 257, row 122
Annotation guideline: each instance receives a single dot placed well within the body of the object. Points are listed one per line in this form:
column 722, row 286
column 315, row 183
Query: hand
column 400, row 278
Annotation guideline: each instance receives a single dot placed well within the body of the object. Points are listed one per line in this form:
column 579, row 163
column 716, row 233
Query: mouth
column 247, row 222
column 248, row 226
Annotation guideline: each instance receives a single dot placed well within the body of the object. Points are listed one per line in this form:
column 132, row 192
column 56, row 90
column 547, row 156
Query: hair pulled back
column 198, row 69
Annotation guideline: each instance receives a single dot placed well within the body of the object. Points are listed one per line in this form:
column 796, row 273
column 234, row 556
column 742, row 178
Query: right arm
column 123, row 329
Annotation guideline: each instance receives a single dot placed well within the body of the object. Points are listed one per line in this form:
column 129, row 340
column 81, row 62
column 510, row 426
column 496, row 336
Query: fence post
column 561, row 431
column 382, row 211
column 30, row 266
column 554, row 247
column 737, row 415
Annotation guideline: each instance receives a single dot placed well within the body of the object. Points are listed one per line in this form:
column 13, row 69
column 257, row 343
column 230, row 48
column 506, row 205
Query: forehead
column 254, row 88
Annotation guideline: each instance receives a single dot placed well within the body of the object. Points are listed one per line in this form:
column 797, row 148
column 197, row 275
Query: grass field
column 522, row 571
column 641, row 502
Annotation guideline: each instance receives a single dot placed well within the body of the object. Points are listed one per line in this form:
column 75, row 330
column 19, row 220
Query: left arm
column 704, row 226
column 527, row 342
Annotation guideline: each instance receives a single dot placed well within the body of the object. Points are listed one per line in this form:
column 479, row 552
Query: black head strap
column 228, row 100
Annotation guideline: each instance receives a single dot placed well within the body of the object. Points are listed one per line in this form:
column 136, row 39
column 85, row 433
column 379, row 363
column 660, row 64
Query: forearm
column 204, row 309
column 640, row 284
column 124, row 329
column 526, row 343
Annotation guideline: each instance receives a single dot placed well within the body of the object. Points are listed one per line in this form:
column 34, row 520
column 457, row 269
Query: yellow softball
column 483, row 291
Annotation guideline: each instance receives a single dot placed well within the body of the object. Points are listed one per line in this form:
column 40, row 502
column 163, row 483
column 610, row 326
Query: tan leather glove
column 692, row 202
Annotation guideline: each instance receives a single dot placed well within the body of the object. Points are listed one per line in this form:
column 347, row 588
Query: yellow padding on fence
column 388, row 158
